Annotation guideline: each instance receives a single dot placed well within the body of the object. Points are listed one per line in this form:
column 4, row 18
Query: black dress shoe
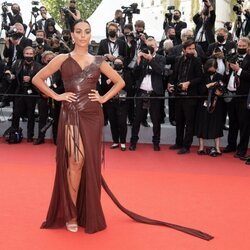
column 248, row 161
column 245, row 157
column 132, row 147
column 183, row 151
column 156, row 147
column 228, row 149
column 175, row 146
column 225, row 127
column 30, row 140
column 239, row 155
column 39, row 141
column 145, row 124
column 123, row 147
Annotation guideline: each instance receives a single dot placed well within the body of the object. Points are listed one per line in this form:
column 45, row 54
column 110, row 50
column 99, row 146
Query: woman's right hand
column 67, row 96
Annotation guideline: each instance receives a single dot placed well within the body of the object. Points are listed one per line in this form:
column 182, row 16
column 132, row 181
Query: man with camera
column 15, row 42
column 43, row 22
column 204, row 21
column 22, row 73
column 149, row 74
column 238, row 84
column 175, row 22
column 15, row 16
column 119, row 20
column 70, row 14
column 185, row 82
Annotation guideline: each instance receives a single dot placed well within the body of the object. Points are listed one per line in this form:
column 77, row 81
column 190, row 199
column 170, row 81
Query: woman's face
column 81, row 34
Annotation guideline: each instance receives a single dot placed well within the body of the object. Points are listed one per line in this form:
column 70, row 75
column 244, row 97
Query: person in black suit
column 22, row 73
column 46, row 106
column 13, row 50
column 239, row 115
column 16, row 16
column 243, row 29
column 204, row 21
column 185, row 81
column 119, row 20
column 111, row 48
column 149, row 73
column 169, row 34
column 177, row 24
column 42, row 23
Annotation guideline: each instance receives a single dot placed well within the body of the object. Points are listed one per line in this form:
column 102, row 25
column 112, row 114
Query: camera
column 35, row 2
column 5, row 6
column 65, row 10
column 232, row 58
column 147, row 50
column 171, row 7
column 131, row 35
column 132, row 9
column 14, row 34
column 218, row 86
column 169, row 14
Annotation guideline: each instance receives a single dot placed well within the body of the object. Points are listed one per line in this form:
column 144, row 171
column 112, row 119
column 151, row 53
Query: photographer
column 117, row 109
column 176, row 23
column 66, row 44
column 185, row 82
column 22, row 73
column 40, row 45
column 238, row 84
column 16, row 16
column 148, row 71
column 204, row 21
column 169, row 34
column 119, row 20
column 47, row 107
column 70, row 14
column 209, row 118
column 42, row 23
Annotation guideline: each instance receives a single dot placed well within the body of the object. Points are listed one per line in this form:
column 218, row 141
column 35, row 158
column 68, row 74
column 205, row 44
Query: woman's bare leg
column 75, row 149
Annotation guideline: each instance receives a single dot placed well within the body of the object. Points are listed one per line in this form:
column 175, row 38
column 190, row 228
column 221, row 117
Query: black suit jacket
column 194, row 74
column 208, row 25
column 179, row 26
column 9, row 52
column 157, row 64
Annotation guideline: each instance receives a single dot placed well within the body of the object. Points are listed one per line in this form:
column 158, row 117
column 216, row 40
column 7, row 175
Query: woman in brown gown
column 76, row 195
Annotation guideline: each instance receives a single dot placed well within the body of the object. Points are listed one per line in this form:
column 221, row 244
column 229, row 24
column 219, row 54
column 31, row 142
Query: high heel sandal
column 72, row 227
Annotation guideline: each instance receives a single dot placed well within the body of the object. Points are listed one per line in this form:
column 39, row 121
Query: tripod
column 35, row 15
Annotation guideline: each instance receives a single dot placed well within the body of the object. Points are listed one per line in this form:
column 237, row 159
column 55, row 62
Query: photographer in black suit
column 204, row 21
column 239, row 115
column 22, row 73
column 185, row 82
column 149, row 73
column 16, row 16
column 13, row 50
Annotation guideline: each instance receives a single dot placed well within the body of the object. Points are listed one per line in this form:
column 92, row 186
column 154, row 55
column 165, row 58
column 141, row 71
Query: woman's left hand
column 95, row 97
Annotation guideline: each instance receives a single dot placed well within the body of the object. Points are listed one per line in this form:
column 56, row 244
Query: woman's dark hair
column 76, row 22
column 209, row 64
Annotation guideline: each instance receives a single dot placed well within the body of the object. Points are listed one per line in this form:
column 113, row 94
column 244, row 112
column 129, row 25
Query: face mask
column 172, row 37
column 211, row 73
column 118, row 66
column 28, row 59
column 176, row 18
column 242, row 51
column 190, row 37
column 189, row 56
column 220, row 39
column 112, row 33
column 66, row 38
column 15, row 12
column 39, row 40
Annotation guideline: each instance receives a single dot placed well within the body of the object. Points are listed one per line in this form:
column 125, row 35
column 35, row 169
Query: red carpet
column 210, row 194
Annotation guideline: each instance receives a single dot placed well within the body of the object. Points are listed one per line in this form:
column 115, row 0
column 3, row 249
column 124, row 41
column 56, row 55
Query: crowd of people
column 204, row 72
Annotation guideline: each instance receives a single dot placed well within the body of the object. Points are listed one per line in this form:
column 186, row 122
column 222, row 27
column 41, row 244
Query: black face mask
column 118, row 66
column 189, row 56
column 112, row 33
column 176, row 18
column 15, row 12
column 211, row 73
column 220, row 39
column 242, row 51
column 172, row 37
column 39, row 40
column 190, row 37
column 28, row 59
column 66, row 38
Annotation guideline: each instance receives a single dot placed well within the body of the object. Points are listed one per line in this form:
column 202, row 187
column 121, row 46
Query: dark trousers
column 239, row 121
column 154, row 111
column 171, row 109
column 43, row 110
column 117, row 114
column 185, row 112
column 22, row 105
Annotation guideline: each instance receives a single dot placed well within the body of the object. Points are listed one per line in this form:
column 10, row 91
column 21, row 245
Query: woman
column 76, row 195
column 209, row 122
